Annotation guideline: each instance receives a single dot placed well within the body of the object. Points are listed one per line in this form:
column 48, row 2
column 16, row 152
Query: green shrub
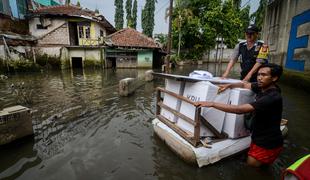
column 23, row 66
column 47, row 61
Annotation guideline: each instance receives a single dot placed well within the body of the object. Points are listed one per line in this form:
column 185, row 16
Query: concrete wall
column 145, row 59
column 287, row 28
column 90, row 56
column 52, row 51
column 227, row 53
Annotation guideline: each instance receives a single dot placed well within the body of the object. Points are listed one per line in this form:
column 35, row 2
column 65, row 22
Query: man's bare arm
column 245, row 85
column 252, row 71
column 238, row 109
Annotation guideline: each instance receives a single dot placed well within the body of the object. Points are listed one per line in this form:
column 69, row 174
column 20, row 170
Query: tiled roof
column 64, row 10
column 129, row 37
column 71, row 10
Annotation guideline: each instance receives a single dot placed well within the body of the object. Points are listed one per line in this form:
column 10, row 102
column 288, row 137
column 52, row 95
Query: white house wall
column 41, row 32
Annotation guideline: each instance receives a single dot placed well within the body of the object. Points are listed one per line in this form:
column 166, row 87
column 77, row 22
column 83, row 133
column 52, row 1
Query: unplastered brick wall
column 59, row 36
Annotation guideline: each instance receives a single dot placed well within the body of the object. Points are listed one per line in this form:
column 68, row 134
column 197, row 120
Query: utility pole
column 167, row 58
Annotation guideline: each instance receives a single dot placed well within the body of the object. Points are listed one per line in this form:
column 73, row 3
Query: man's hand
column 204, row 104
column 223, row 87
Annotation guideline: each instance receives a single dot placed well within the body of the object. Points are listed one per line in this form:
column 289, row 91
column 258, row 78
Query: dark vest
column 248, row 58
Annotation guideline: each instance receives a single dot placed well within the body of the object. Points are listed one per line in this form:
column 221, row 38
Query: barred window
column 81, row 32
column 87, row 32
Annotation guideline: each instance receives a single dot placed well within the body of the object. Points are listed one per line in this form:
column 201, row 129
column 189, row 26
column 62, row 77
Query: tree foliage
column 78, row 4
column 258, row 16
column 201, row 22
column 119, row 14
column 245, row 19
column 134, row 14
column 148, row 17
column 67, row 2
column 128, row 13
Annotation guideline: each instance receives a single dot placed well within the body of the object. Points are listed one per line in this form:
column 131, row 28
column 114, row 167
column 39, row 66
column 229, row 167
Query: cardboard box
column 234, row 123
column 172, row 102
column 202, row 91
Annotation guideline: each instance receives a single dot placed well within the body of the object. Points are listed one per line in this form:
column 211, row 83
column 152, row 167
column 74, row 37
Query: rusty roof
column 72, row 10
column 129, row 37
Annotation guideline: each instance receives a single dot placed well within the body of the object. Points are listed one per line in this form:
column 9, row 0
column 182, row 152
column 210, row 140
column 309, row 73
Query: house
column 128, row 48
column 72, row 33
column 15, row 41
column 286, row 30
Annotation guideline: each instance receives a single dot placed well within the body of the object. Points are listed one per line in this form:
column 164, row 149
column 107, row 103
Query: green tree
column 128, row 13
column 148, row 17
column 78, row 4
column 67, row 2
column 200, row 22
column 245, row 20
column 119, row 14
column 97, row 10
column 237, row 4
column 134, row 14
column 258, row 16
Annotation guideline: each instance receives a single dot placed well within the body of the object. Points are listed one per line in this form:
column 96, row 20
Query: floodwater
column 84, row 130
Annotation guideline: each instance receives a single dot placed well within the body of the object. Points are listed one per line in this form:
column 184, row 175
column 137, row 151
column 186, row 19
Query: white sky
column 107, row 9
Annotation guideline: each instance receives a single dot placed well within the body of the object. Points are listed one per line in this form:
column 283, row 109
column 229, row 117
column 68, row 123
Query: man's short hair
column 275, row 70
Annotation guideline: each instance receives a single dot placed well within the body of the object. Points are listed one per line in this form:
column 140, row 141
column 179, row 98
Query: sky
column 107, row 9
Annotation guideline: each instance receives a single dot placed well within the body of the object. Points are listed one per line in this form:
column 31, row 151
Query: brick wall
column 58, row 37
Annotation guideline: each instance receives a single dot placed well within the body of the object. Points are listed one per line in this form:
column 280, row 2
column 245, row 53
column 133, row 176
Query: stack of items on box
column 228, row 123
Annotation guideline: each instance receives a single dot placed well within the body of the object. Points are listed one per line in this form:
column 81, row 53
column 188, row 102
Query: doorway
column 77, row 62
column 74, row 40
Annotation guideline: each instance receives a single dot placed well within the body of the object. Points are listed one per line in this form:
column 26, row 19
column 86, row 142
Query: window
column 40, row 26
column 87, row 32
column 101, row 33
column 81, row 32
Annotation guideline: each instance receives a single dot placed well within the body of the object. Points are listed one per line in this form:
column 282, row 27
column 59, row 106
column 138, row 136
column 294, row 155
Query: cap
column 252, row 29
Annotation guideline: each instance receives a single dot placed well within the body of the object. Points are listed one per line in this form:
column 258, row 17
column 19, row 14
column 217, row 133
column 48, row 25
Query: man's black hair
column 275, row 70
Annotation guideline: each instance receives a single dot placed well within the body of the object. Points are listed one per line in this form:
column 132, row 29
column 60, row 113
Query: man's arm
column 253, row 70
column 238, row 109
column 232, row 61
column 245, row 85
column 261, row 58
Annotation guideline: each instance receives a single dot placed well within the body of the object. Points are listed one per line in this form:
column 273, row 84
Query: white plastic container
column 170, row 101
column 203, row 91
column 234, row 123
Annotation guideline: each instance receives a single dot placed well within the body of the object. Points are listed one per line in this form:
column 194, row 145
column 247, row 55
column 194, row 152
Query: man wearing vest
column 249, row 50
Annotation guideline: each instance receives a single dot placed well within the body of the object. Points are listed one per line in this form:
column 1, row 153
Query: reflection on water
column 84, row 130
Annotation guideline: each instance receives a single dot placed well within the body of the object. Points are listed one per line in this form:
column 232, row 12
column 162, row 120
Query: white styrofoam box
column 202, row 91
column 234, row 123
column 170, row 101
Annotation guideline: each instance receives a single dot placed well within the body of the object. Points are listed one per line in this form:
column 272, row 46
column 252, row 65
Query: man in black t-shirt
column 266, row 135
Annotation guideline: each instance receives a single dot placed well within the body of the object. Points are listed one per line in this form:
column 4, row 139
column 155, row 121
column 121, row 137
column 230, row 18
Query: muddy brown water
column 84, row 130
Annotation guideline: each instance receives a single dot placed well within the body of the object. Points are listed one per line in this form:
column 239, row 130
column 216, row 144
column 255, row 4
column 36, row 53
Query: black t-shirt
column 268, row 114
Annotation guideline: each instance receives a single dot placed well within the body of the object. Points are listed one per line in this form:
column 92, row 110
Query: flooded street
column 85, row 130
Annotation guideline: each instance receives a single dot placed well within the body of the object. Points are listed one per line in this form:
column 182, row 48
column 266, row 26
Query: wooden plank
column 157, row 101
column 212, row 129
column 197, row 126
column 186, row 135
column 176, row 95
column 187, row 119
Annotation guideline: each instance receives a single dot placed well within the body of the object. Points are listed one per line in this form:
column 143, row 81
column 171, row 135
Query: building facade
column 128, row 48
column 286, row 29
column 72, row 33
